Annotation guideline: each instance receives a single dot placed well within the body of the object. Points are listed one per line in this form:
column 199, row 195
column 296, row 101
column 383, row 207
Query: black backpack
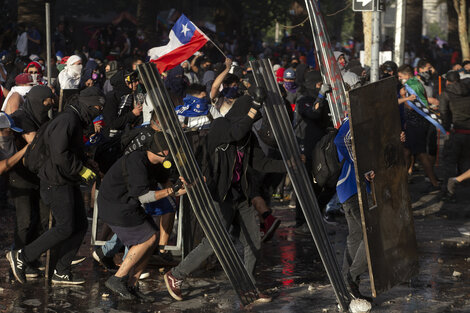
column 37, row 152
column 326, row 165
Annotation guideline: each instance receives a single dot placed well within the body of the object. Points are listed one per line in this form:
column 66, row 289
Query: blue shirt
column 346, row 186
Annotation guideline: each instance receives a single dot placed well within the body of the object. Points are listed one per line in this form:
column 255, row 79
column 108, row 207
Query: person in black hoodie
column 312, row 122
column 32, row 215
column 233, row 149
column 60, row 177
column 121, row 109
column 455, row 110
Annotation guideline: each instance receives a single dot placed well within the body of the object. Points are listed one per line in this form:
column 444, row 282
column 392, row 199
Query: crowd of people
column 92, row 125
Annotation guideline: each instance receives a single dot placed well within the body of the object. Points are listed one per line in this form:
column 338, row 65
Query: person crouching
column 125, row 188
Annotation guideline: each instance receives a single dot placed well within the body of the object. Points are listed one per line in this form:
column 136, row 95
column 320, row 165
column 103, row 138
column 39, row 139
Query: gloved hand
column 177, row 186
column 87, row 175
column 325, row 88
column 259, row 96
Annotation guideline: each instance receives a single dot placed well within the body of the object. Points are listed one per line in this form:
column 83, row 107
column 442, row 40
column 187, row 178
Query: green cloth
column 418, row 87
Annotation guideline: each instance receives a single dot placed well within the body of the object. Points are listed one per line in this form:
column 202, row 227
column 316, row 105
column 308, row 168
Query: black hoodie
column 118, row 108
column 32, row 114
column 64, row 138
column 454, row 105
column 29, row 117
column 228, row 135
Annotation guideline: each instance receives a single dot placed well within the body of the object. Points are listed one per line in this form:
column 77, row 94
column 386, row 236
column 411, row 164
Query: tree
column 414, row 22
column 453, row 25
column 460, row 7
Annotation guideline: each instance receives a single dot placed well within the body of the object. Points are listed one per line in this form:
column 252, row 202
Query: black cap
column 158, row 143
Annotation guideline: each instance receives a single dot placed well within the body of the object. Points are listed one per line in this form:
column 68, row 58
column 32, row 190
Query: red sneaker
column 271, row 223
column 173, row 285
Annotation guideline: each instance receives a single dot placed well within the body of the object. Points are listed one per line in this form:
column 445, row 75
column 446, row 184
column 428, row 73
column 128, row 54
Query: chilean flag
column 185, row 40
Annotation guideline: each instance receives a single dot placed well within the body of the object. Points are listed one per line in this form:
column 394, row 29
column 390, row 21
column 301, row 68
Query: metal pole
column 374, row 67
column 276, row 36
column 48, row 42
column 399, row 50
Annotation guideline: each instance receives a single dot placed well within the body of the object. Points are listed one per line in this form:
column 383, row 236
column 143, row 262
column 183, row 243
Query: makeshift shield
column 387, row 219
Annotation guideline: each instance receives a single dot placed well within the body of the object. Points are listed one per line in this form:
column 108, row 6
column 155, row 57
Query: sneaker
column 78, row 260
column 353, row 287
column 173, row 285
column 302, row 230
column 66, row 279
column 18, row 265
column 144, row 275
column 277, row 196
column 119, row 286
column 106, row 262
column 31, row 272
column 271, row 224
column 262, row 298
column 140, row 295
column 451, row 185
column 292, row 204
column 330, row 219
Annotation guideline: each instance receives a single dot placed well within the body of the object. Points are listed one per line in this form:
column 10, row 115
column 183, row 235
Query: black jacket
column 123, row 184
column 454, row 105
column 312, row 122
column 64, row 138
column 119, row 104
column 227, row 135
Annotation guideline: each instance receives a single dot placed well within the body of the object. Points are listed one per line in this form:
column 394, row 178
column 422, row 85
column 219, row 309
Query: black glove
column 259, row 96
column 325, row 88
column 177, row 186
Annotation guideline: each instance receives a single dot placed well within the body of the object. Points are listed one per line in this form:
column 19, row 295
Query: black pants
column 32, row 215
column 70, row 227
column 456, row 156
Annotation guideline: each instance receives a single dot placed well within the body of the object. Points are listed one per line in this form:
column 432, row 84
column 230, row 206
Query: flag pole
column 215, row 45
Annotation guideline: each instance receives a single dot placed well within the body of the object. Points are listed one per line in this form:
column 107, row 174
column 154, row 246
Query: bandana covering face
column 290, row 86
column 193, row 106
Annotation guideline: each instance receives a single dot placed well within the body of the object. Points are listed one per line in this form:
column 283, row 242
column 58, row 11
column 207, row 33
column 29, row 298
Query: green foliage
column 260, row 15
column 434, row 29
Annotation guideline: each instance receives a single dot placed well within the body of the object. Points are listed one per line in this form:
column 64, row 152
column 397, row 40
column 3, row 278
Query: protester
column 416, row 125
column 229, row 138
column 124, row 189
column 69, row 78
column 455, row 112
column 60, row 175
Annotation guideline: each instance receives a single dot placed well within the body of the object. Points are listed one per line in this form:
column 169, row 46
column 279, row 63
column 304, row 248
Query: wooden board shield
column 387, row 219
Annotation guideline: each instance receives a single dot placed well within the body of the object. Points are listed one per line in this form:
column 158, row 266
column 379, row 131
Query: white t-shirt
column 22, row 90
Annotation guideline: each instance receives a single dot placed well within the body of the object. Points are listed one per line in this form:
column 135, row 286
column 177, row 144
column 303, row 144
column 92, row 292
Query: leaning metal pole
column 284, row 134
column 328, row 64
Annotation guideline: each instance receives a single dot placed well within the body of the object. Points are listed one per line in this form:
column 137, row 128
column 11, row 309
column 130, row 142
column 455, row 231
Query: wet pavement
column 290, row 270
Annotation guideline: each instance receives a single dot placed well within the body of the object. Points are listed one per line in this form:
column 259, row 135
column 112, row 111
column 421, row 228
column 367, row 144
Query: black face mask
column 294, row 64
column 94, row 112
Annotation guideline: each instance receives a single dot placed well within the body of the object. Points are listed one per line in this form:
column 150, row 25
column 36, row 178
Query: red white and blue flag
column 185, row 40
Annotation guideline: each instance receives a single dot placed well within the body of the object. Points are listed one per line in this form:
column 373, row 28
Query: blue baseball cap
column 7, row 122
column 289, row 74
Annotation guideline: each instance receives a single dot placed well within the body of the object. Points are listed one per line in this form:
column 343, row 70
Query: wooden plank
column 387, row 220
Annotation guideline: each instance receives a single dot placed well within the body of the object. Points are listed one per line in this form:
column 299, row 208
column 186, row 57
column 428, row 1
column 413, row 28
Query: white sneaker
column 144, row 275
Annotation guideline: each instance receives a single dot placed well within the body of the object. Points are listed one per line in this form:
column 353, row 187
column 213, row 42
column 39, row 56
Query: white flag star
column 185, row 29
